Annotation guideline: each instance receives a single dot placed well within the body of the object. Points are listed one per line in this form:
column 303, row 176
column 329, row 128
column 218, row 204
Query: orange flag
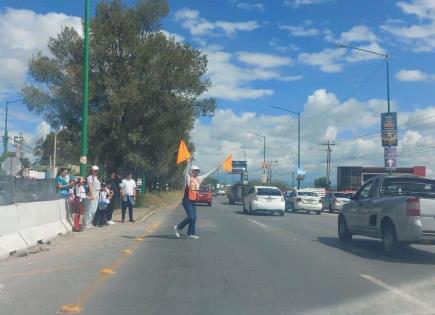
column 183, row 153
column 228, row 164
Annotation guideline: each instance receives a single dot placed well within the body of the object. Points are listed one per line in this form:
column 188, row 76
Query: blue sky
column 280, row 52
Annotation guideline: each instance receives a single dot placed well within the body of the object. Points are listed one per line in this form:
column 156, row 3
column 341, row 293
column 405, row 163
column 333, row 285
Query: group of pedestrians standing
column 95, row 199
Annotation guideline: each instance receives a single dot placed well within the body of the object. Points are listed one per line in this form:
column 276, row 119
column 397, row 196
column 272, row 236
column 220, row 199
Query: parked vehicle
column 334, row 201
column 205, row 195
column 397, row 209
column 237, row 192
column 303, row 200
column 264, row 199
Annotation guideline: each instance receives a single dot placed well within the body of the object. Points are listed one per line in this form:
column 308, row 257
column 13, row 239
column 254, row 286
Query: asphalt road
column 242, row 264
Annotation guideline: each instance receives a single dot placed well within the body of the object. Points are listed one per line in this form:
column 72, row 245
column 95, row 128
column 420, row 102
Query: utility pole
column 328, row 162
column 6, row 134
column 85, row 105
column 270, row 170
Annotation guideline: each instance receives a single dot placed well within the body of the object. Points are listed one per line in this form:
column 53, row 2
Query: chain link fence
column 15, row 190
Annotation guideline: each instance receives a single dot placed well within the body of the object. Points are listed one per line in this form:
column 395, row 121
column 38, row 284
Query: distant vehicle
column 264, row 199
column 205, row 195
column 397, row 209
column 237, row 192
column 220, row 191
column 303, row 200
column 334, row 201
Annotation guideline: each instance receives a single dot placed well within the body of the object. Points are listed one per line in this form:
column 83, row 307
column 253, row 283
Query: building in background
column 350, row 178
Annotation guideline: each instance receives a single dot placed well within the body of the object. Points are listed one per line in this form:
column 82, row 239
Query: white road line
column 429, row 308
column 258, row 223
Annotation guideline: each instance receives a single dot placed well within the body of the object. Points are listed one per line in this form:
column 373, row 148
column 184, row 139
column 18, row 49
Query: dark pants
column 112, row 207
column 100, row 216
column 190, row 208
column 127, row 204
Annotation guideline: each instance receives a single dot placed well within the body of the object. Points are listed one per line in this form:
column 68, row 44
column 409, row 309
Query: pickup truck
column 397, row 209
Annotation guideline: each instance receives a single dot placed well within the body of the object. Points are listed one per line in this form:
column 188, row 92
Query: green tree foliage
column 145, row 90
column 320, row 182
column 66, row 150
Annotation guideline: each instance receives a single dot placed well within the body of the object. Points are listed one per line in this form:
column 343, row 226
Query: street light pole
column 6, row 134
column 85, row 105
column 299, row 135
column 387, row 61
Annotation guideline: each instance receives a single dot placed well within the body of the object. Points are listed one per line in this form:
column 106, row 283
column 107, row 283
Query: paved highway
column 242, row 264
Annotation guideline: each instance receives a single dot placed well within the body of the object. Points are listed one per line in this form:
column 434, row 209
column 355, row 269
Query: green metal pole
column 299, row 146
column 388, row 82
column 85, row 106
column 6, row 136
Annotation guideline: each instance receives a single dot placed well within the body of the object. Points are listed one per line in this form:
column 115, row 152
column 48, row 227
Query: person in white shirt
column 128, row 194
column 91, row 205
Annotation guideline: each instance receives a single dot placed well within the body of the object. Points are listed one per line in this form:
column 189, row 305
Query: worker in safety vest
column 192, row 183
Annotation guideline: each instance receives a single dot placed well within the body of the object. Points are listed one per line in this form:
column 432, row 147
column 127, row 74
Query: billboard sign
column 300, row 174
column 390, row 158
column 389, row 129
column 239, row 167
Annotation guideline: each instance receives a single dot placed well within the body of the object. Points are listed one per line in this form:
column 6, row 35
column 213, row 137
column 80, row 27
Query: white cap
column 195, row 168
column 95, row 168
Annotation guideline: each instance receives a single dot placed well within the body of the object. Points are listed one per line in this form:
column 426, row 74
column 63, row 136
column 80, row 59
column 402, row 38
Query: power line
column 351, row 93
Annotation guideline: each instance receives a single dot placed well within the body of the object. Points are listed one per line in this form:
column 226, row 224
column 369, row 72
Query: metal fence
column 14, row 190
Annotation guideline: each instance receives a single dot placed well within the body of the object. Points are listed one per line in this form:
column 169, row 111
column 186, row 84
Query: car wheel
column 209, row 204
column 330, row 209
column 281, row 213
column 389, row 239
column 319, row 212
column 343, row 230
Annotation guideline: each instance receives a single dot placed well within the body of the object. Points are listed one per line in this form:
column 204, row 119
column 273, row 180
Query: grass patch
column 157, row 200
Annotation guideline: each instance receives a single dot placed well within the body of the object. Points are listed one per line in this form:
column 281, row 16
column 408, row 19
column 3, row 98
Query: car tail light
column 413, row 206
column 298, row 199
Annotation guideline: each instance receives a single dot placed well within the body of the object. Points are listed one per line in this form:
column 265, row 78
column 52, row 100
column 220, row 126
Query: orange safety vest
column 192, row 189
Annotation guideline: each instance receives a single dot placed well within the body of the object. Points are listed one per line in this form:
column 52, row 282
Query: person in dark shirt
column 114, row 186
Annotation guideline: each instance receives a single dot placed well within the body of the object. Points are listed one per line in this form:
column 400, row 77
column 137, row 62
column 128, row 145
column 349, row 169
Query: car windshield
column 307, row 193
column 204, row 189
column 341, row 195
column 408, row 186
column 268, row 192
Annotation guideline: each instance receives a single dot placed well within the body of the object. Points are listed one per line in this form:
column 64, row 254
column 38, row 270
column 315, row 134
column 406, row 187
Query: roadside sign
column 300, row 174
column 239, row 167
column 390, row 158
column 389, row 129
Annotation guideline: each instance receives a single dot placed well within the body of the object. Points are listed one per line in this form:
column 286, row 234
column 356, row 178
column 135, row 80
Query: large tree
column 145, row 89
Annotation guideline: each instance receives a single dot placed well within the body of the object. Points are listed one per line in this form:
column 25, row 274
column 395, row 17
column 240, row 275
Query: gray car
column 397, row 209
column 334, row 201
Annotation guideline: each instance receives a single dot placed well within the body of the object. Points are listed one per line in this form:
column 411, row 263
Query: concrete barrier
column 39, row 221
column 10, row 238
column 65, row 214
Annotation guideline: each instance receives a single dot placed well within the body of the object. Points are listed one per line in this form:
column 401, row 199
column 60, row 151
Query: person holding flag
column 192, row 181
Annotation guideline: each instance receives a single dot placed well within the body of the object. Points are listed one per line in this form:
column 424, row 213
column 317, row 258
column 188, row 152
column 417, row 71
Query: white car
column 303, row 200
column 264, row 199
column 334, row 201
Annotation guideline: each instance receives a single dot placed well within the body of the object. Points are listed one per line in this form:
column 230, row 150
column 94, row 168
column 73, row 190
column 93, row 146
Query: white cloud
column 176, row 37
column 328, row 60
column 358, row 56
column 264, row 60
column 299, row 3
column 419, row 36
column 233, row 82
column 300, row 31
column 358, row 33
column 22, row 32
column 198, row 26
column 42, row 130
column 412, row 75
column 250, row 6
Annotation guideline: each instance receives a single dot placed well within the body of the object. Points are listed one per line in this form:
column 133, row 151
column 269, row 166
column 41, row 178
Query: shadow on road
column 257, row 214
column 166, row 236
column 301, row 212
column 372, row 249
